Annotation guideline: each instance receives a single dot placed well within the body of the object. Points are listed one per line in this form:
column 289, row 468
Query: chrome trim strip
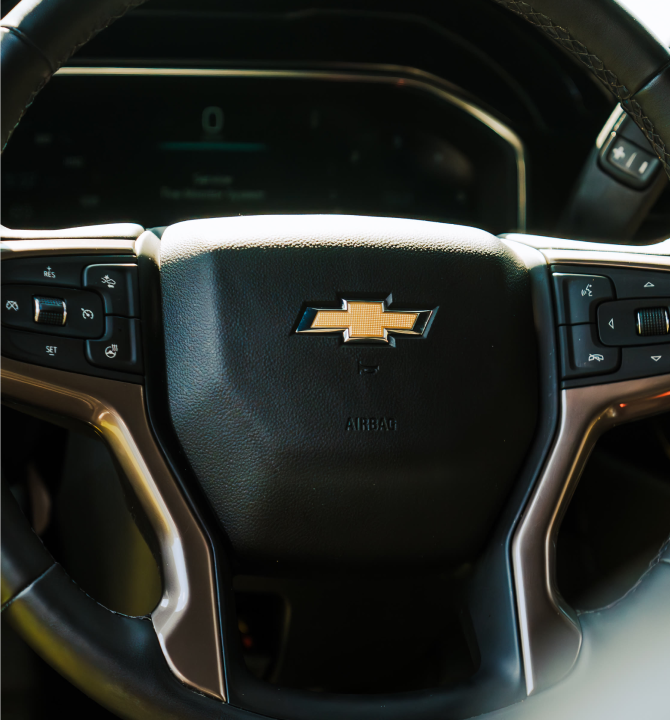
column 356, row 73
column 606, row 130
column 608, row 259
column 186, row 620
column 550, row 631
column 541, row 242
column 112, row 232
column 35, row 248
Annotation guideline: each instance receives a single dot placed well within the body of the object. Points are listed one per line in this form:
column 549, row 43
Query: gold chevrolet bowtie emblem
column 366, row 321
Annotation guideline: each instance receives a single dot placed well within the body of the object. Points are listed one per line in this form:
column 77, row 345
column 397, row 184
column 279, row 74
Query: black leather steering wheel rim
column 86, row 642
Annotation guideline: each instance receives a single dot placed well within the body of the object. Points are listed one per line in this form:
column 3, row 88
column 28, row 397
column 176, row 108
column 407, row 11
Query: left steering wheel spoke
column 74, row 346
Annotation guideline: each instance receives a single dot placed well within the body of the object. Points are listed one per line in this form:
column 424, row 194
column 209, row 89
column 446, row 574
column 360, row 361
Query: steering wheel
column 314, row 393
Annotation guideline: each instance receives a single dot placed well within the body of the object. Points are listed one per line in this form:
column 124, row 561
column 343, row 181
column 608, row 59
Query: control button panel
column 49, row 319
column 119, row 348
column 631, row 322
column 69, row 312
column 579, row 295
column 118, row 286
column 613, row 323
column 584, row 353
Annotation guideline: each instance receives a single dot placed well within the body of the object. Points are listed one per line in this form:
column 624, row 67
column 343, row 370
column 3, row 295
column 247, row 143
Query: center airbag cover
column 317, row 451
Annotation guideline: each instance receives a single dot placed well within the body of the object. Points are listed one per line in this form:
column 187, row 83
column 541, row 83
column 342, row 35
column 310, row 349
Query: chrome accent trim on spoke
column 607, row 259
column 607, row 129
column 353, row 73
column 580, row 247
column 186, row 619
column 36, row 248
column 113, row 232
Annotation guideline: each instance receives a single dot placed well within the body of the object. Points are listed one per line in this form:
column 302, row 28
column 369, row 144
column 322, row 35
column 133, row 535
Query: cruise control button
column 118, row 286
column 582, row 354
column 644, row 361
column 619, row 322
column 84, row 315
column 41, row 349
column 119, row 348
column 60, row 271
column 578, row 296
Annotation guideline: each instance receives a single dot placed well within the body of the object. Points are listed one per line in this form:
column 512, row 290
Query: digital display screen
column 160, row 149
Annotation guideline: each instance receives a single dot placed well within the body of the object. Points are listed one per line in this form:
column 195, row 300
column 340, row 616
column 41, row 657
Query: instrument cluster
column 160, row 146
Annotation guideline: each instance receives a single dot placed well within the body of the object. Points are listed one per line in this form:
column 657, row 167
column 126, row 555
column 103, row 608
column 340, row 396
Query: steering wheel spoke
column 550, row 631
column 114, row 404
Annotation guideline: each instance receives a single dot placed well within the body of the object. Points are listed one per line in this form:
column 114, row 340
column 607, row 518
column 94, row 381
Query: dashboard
column 455, row 114
column 157, row 146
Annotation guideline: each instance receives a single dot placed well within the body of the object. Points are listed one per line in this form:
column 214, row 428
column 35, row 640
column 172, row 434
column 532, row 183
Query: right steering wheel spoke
column 612, row 372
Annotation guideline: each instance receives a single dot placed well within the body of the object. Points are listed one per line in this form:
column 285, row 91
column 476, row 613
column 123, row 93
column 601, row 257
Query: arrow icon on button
column 648, row 284
column 656, row 357
column 612, row 323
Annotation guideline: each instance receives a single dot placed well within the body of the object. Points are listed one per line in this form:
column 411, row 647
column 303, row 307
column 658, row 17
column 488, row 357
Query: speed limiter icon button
column 119, row 348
